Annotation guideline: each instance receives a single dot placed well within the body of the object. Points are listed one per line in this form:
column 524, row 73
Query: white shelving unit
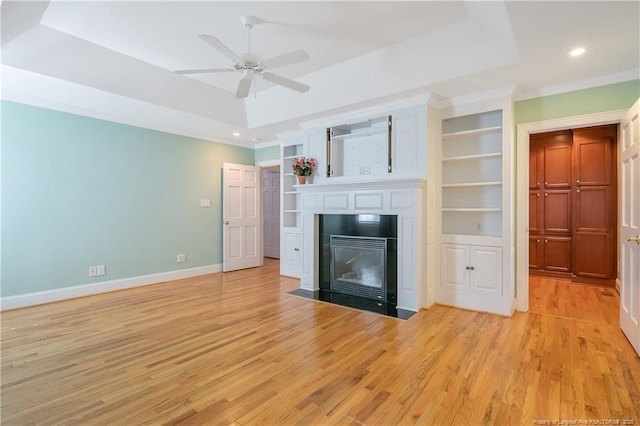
column 290, row 197
column 472, row 174
column 474, row 208
column 291, row 215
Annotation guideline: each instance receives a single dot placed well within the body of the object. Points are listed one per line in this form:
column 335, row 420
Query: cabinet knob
column 546, row 241
column 538, row 240
column 577, row 190
column 538, row 195
column 467, row 268
column 578, row 181
column 296, row 249
column 546, row 183
column 538, row 184
column 472, row 268
column 546, row 194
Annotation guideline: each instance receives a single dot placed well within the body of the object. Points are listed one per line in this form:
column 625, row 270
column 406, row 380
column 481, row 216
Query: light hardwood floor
column 235, row 348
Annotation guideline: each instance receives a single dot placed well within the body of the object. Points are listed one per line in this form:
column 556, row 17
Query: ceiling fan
column 251, row 64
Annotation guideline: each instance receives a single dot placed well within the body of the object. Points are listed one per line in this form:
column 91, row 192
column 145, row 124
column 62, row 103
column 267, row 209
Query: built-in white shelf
column 292, row 211
column 448, row 209
column 291, row 157
column 370, row 131
column 473, row 157
column 470, row 184
column 472, row 132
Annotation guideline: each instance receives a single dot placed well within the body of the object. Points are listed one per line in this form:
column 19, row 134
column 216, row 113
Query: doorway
column 522, row 187
column 271, row 211
column 573, row 205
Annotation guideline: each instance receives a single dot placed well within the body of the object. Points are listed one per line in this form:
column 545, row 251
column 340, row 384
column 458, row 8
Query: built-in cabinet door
column 557, row 161
column 557, row 254
column 536, row 211
column 455, row 266
column 595, row 202
column 557, row 211
column 536, row 167
column 485, row 264
column 477, row 269
column 291, row 259
column 536, row 252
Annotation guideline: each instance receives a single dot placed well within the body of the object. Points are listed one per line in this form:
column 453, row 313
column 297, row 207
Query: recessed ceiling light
column 236, row 134
column 578, row 51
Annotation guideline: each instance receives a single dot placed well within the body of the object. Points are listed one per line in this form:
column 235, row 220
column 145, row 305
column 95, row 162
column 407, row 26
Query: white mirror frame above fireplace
column 405, row 198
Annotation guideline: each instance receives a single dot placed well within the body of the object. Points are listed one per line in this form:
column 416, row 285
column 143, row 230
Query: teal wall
column 268, row 153
column 78, row 191
column 588, row 101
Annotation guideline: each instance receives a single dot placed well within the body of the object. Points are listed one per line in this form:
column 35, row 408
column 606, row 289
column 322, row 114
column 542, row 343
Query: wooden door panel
column 557, row 211
column 593, row 156
column 535, row 212
column 593, row 253
column 557, row 254
column 594, row 209
column 455, row 263
column 536, row 255
column 536, row 174
column 557, row 166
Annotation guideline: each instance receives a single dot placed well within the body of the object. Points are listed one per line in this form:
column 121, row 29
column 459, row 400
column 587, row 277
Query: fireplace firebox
column 359, row 266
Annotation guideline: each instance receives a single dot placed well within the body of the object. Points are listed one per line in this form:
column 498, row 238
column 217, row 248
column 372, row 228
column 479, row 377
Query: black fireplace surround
column 359, row 225
column 362, row 226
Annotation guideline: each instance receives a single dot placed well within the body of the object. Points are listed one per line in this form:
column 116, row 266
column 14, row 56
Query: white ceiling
column 115, row 60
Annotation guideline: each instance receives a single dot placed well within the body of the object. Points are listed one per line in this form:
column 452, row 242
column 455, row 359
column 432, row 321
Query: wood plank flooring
column 235, row 348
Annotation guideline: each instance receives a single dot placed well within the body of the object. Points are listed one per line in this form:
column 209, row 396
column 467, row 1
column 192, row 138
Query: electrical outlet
column 101, row 270
column 93, row 271
column 181, row 258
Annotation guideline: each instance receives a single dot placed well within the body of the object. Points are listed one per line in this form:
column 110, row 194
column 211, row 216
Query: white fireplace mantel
column 403, row 197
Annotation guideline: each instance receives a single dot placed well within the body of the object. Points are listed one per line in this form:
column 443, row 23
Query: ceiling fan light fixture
column 252, row 64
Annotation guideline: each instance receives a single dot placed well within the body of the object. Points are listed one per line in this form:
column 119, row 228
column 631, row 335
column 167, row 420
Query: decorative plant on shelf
column 303, row 167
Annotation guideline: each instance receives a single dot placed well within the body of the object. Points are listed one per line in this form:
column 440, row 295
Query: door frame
column 270, row 164
column 522, row 186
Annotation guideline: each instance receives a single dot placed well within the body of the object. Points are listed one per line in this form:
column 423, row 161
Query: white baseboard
column 41, row 297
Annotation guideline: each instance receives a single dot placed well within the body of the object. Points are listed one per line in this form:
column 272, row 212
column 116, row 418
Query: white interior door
column 271, row 212
column 630, row 227
column 241, row 216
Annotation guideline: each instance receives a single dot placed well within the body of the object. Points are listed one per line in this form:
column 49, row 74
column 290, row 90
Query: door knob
column 634, row 239
column 226, row 222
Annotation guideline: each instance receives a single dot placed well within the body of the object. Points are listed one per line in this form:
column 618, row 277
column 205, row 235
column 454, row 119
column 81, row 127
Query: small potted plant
column 303, row 167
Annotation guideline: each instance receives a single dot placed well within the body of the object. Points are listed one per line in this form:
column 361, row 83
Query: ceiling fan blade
column 220, row 47
column 244, row 86
column 204, row 70
column 286, row 82
column 286, row 59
